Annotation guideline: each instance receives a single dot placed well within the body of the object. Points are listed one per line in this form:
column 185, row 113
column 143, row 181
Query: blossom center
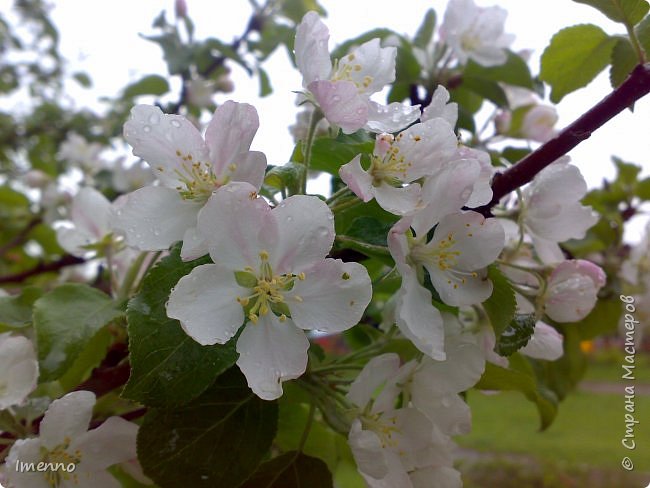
column 61, row 459
column 385, row 428
column 197, row 178
column 344, row 73
column 388, row 162
column 267, row 289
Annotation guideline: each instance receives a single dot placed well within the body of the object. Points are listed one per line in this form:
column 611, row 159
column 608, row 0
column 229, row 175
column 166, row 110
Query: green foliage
column 516, row 335
column 330, row 154
column 514, row 71
column 149, row 85
column 66, row 319
column 168, row 368
column 575, row 56
column 291, row 470
column 218, row 439
column 501, row 305
column 424, row 35
column 285, row 178
column 643, row 34
column 624, row 60
column 628, row 12
column 16, row 311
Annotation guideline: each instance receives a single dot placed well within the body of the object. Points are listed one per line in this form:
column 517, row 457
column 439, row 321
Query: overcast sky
column 102, row 38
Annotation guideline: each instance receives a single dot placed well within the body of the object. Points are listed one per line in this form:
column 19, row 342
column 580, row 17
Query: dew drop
column 156, row 232
column 154, row 118
column 176, row 123
column 146, row 128
column 289, row 218
column 336, row 99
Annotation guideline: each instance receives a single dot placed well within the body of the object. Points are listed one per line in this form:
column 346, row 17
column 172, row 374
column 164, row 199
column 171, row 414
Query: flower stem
column 131, row 276
column 316, row 116
column 305, row 432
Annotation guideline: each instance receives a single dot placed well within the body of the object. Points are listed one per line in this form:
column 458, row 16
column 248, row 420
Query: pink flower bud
column 181, row 9
column 573, row 289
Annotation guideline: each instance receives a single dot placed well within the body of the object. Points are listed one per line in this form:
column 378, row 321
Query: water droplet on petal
column 154, row 118
column 147, row 129
column 176, row 123
column 336, row 99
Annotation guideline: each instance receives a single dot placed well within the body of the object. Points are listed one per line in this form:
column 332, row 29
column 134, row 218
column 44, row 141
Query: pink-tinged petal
column 548, row 251
column 390, row 118
column 573, row 290
column 67, row 417
column 376, row 372
column 359, row 181
column 24, row 451
column 233, row 224
column 445, row 192
column 271, row 352
column 426, row 147
column 154, row 217
column 441, row 108
column 205, row 303
column 251, row 168
column 418, row 319
column 194, row 246
column 341, row 104
column 332, row 297
column 230, row 134
column 90, row 213
column 163, row 141
column 370, row 66
column 111, row 443
column 568, row 222
column 311, row 49
column 306, row 234
column 398, row 200
column 460, row 288
column 545, row 343
column 451, row 415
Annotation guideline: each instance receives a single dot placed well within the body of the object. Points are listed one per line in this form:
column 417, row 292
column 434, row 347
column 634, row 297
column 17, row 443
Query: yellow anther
column 301, row 276
column 297, row 298
column 264, row 255
column 282, row 318
column 253, row 318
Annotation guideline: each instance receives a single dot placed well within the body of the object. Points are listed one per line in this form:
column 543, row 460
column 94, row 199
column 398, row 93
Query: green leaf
column 628, row 12
column 370, row 230
column 516, row 335
column 296, row 9
column 89, row 358
column 12, row 198
column 575, row 56
column 498, row 378
column 168, row 367
column 83, row 79
column 291, row 470
column 514, row 71
column 643, row 34
column 149, row 85
column 486, row 89
column 330, row 154
column 265, row 83
column 66, row 319
column 16, row 310
column 501, row 306
column 624, row 60
column 425, row 32
column 643, row 189
column 603, row 319
column 286, row 177
column 343, row 49
column 218, row 439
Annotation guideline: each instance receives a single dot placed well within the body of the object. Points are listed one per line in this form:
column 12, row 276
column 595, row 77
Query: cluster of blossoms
column 270, row 278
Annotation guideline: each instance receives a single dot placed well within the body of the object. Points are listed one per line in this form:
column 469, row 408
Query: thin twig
column 42, row 267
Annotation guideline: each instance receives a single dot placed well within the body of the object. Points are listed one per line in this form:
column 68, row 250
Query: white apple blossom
column 64, row 438
column 572, row 290
column 343, row 90
column 476, row 33
column 388, row 442
column 551, row 209
column 90, row 212
column 77, row 151
column 545, row 343
column 189, row 168
column 18, row 369
column 419, row 151
column 440, row 107
column 456, row 258
column 131, row 177
column 271, row 272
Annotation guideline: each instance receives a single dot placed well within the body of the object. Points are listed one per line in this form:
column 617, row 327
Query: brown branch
column 21, row 237
column 636, row 86
column 42, row 267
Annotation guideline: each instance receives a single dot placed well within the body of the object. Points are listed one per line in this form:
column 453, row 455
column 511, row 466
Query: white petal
column 251, row 168
column 18, row 369
column 194, row 246
column 548, row 251
column 440, row 107
column 67, row 417
column 271, row 352
column 358, row 179
column 545, row 343
column 25, row 451
column 341, row 104
column 311, row 50
column 390, row 118
column 370, row 66
column 305, row 234
column 154, row 217
column 159, row 138
column 372, row 376
column 205, row 303
column 230, row 134
column 111, row 443
column 367, row 451
column 90, row 213
column 438, row 476
column 72, row 240
column 400, row 200
column 418, row 319
column 333, row 296
column 451, row 415
column 93, row 479
column 232, row 224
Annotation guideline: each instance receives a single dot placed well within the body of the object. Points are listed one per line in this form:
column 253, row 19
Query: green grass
column 586, row 432
column 606, row 366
